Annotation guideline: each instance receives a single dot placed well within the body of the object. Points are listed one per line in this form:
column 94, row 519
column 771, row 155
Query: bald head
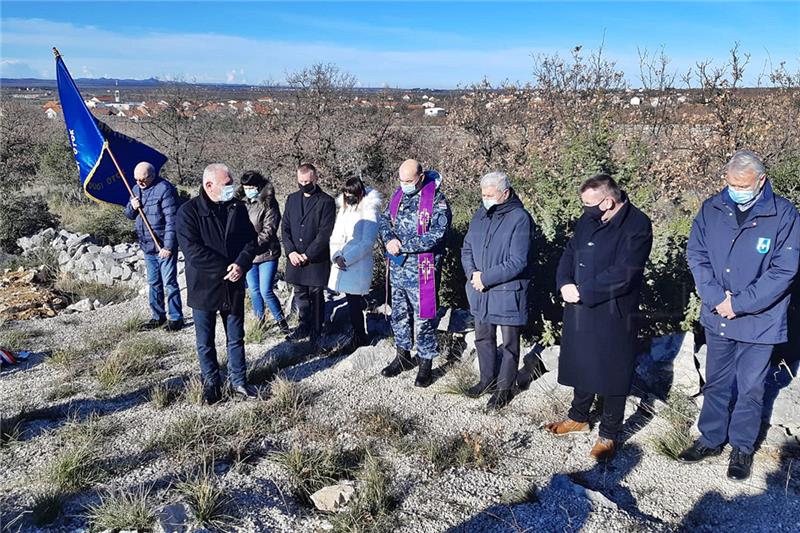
column 410, row 170
column 411, row 175
column 144, row 174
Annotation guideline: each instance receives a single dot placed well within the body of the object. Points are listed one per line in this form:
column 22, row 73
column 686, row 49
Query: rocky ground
column 447, row 464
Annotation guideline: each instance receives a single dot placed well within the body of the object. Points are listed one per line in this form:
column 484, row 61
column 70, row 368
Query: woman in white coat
column 352, row 243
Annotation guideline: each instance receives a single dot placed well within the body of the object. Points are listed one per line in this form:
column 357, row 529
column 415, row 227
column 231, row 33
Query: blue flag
column 96, row 146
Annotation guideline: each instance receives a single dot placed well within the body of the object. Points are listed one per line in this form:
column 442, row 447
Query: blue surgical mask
column 251, row 193
column 408, row 188
column 741, row 197
column 227, row 193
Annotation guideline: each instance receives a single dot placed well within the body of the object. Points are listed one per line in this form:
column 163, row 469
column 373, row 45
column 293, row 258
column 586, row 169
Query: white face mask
column 489, row 203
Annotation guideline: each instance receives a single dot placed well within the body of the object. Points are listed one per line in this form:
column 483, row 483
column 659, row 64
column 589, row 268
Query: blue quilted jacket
column 160, row 204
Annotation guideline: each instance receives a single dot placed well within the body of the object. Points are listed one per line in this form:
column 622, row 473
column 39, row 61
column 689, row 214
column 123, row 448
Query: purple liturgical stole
column 427, row 270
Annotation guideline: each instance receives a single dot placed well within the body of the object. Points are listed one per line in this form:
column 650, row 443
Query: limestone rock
column 81, row 306
column 333, row 497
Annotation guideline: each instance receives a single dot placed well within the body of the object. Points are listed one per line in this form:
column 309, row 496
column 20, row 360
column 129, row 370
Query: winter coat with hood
column 265, row 216
column 353, row 239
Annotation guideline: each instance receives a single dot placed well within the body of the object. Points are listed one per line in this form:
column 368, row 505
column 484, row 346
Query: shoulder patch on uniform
column 762, row 246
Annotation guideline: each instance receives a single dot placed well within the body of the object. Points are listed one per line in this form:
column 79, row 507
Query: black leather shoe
column 479, row 389
column 212, row 394
column 697, row 452
column 283, row 327
column 401, row 362
column 245, row 392
column 424, row 373
column 174, row 325
column 740, row 465
column 152, row 324
column 499, row 399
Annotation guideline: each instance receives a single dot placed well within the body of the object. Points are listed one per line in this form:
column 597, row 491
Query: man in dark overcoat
column 306, row 228
column 496, row 260
column 218, row 243
column 599, row 277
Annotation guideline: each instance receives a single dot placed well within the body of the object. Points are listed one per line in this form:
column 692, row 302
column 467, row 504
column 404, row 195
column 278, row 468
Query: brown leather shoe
column 567, row 426
column 604, row 449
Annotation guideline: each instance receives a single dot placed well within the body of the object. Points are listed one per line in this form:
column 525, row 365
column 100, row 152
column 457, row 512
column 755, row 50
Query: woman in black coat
column 599, row 277
column 258, row 195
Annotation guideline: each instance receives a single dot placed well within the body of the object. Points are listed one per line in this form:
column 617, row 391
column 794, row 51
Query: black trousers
column 310, row 308
column 613, row 412
column 497, row 363
column 355, row 307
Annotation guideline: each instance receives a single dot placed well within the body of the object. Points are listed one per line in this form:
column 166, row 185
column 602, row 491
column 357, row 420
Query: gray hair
column 496, row 179
column 212, row 170
column 743, row 162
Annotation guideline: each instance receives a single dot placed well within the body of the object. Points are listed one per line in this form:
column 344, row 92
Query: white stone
column 333, row 497
column 81, row 306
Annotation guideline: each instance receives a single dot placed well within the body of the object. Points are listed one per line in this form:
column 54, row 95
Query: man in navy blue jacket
column 159, row 201
column 744, row 250
column 496, row 260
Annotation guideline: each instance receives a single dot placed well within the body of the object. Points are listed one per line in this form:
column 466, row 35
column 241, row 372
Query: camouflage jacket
column 404, row 228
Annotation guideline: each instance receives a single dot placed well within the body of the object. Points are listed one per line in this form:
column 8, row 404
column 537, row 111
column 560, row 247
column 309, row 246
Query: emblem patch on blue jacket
column 762, row 246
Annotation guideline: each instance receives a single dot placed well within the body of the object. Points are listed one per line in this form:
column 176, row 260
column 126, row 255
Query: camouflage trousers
column 406, row 324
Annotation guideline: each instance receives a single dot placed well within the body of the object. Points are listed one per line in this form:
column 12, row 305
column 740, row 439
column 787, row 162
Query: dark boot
column 499, row 399
column 479, row 389
column 283, row 327
column 424, row 374
column 401, row 362
column 175, row 325
column 740, row 465
column 245, row 392
column 212, row 393
column 697, row 452
column 152, row 324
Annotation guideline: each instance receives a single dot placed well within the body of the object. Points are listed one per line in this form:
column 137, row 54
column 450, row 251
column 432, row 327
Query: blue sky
column 403, row 44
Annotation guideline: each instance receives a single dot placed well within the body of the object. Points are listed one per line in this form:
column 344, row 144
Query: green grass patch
column 464, row 450
column 461, row 377
column 127, row 510
column 310, row 469
column 373, row 502
column 208, row 502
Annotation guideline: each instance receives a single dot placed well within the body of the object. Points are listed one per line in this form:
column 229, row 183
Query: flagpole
column 128, row 186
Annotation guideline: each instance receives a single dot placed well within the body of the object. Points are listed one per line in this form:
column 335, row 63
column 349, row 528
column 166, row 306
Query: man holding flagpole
column 159, row 200
column 413, row 229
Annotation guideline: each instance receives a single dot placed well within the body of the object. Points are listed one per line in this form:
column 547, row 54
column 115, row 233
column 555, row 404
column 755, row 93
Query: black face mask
column 351, row 200
column 308, row 188
column 594, row 211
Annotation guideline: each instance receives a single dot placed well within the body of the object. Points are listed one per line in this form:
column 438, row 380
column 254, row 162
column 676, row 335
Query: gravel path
column 639, row 491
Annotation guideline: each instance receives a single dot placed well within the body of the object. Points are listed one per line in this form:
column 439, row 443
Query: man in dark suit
column 306, row 228
column 219, row 243
column 600, row 277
